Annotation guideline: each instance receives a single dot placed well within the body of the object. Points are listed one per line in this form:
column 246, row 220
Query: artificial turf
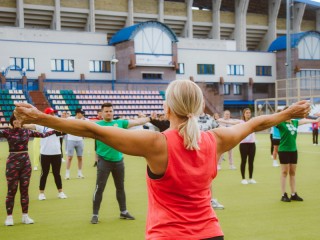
column 252, row 212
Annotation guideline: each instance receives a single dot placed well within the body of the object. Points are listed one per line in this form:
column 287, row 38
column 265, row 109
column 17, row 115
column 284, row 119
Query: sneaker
column 80, row 175
column 233, row 167
column 252, row 181
column 42, row 197
column 126, row 216
column 62, row 160
column 94, row 219
column 295, row 197
column 275, row 163
column 26, row 219
column 35, row 168
column 61, row 195
column 67, row 176
column 285, row 198
column 9, row 221
column 219, row 167
column 215, row 204
column 244, row 181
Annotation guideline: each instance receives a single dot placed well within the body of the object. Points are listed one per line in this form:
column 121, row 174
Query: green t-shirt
column 106, row 152
column 288, row 133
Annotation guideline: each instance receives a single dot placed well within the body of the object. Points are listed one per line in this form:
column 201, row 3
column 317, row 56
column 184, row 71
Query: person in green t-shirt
column 288, row 155
column 111, row 161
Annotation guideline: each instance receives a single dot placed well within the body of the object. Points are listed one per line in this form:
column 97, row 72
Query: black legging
column 247, row 150
column 315, row 136
column 55, row 162
column 271, row 138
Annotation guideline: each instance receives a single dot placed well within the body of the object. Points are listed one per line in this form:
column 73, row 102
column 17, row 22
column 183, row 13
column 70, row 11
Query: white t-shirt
column 49, row 145
column 71, row 137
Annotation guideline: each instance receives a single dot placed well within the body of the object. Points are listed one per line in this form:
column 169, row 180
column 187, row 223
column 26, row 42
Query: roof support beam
column 56, row 20
column 161, row 11
column 215, row 30
column 130, row 14
column 188, row 28
column 20, row 14
column 91, row 24
column 318, row 20
column 298, row 12
column 241, row 8
column 271, row 35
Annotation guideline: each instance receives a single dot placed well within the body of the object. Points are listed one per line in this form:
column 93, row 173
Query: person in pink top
column 247, row 150
column 181, row 162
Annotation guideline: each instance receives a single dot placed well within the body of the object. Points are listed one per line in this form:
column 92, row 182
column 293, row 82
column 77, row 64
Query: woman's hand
column 26, row 113
column 299, row 109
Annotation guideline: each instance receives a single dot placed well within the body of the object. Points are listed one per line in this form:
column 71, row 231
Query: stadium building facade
column 144, row 44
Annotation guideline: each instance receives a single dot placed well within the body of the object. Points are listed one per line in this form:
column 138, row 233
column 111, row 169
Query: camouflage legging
column 18, row 170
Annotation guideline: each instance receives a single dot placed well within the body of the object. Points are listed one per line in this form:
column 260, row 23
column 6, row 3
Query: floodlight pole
column 288, row 63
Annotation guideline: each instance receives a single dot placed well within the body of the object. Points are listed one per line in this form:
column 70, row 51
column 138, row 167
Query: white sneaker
column 275, row 163
column 9, row 221
column 244, row 181
column 62, row 160
column 252, row 181
column 67, row 177
column 26, row 219
column 219, row 167
column 35, row 168
column 61, row 195
column 233, row 167
column 215, row 204
column 80, row 175
column 42, row 197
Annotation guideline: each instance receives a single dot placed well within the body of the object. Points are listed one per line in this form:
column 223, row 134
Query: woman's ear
column 167, row 110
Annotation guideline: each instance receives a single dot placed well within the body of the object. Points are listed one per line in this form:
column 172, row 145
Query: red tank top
column 179, row 204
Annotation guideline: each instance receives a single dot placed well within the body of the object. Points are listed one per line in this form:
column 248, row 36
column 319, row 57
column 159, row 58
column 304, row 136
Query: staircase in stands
column 39, row 100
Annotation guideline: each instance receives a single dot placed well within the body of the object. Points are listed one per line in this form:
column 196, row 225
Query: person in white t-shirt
column 75, row 143
column 50, row 154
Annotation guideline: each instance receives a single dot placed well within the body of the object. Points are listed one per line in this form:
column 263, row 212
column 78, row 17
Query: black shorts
column 276, row 142
column 288, row 157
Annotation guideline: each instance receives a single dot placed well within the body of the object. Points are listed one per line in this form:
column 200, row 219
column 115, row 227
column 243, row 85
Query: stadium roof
column 281, row 42
column 314, row 3
column 128, row 33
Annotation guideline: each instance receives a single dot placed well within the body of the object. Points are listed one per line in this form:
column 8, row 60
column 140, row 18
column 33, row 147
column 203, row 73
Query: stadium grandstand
column 69, row 54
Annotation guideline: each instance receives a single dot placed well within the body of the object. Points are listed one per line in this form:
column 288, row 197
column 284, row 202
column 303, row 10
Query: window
column 260, row 88
column 180, row 69
column 226, row 89
column 20, row 63
column 310, row 79
column 235, row 70
column 205, row 69
column 62, row 65
column 151, row 75
column 100, row 66
column 237, row 89
column 263, row 71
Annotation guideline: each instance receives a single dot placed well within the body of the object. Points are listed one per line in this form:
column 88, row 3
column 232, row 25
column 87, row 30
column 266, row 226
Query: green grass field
column 252, row 212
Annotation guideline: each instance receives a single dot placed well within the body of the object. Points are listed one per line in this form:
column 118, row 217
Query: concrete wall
column 47, row 45
column 193, row 52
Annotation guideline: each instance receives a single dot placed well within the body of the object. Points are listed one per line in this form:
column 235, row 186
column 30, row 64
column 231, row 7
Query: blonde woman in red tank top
column 182, row 161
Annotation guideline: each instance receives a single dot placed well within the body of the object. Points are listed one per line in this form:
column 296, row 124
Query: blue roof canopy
column 310, row 2
column 128, row 33
column 281, row 42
